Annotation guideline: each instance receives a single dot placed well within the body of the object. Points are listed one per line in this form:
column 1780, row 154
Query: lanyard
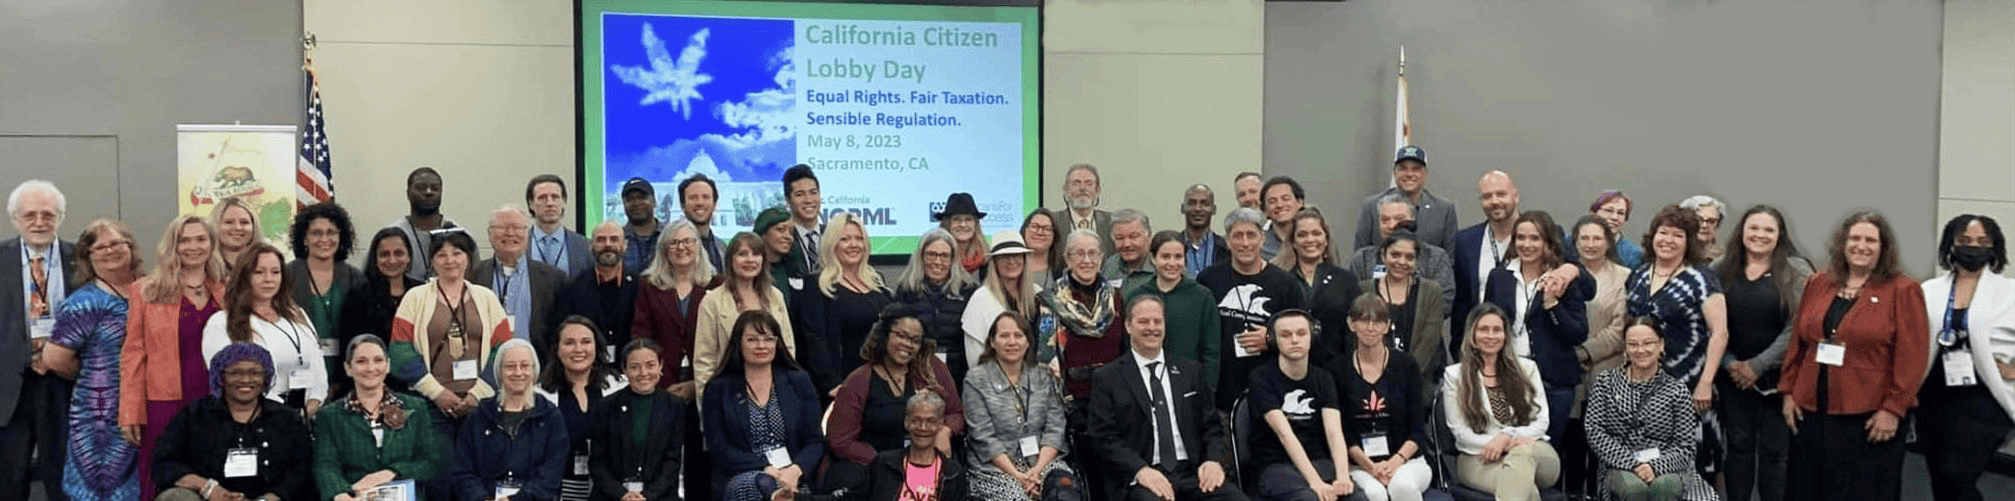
column 1496, row 256
column 1949, row 336
column 503, row 281
column 293, row 336
column 1020, row 402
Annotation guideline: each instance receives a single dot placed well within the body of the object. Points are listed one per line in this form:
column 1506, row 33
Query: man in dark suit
column 1081, row 191
column 606, row 294
column 1474, row 255
column 1181, row 453
column 525, row 286
column 801, row 193
column 34, row 404
column 552, row 241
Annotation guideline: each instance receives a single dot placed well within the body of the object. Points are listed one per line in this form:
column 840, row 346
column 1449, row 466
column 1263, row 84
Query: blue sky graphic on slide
column 697, row 95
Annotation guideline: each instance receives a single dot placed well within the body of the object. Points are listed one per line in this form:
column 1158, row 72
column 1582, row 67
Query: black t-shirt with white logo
column 1302, row 401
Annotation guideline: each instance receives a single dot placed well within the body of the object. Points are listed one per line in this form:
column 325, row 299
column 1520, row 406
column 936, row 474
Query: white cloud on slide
column 676, row 82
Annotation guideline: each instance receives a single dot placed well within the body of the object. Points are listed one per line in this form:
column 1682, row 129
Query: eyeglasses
column 324, row 233
column 937, row 256
column 110, row 245
column 1042, row 228
column 683, row 242
column 1083, row 255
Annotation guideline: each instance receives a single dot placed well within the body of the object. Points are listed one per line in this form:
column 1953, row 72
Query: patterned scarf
column 391, row 412
column 1084, row 320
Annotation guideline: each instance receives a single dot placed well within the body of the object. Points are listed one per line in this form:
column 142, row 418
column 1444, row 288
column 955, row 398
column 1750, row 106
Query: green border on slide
column 589, row 53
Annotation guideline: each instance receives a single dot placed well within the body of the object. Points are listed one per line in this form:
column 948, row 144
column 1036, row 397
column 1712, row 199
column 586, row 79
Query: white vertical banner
column 1402, row 126
column 254, row 163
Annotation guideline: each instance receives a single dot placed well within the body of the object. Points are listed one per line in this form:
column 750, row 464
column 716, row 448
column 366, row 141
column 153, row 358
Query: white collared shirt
column 1490, row 249
column 1527, row 292
column 1147, row 377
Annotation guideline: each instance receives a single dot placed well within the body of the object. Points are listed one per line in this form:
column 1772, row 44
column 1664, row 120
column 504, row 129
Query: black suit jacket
column 1122, row 421
column 1555, row 332
column 14, row 347
column 545, row 283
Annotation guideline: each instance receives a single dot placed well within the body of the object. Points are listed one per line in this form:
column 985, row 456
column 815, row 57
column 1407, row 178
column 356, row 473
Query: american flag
column 312, row 184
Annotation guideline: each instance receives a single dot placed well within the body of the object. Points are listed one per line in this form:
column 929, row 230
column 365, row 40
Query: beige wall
column 482, row 90
column 1976, row 150
column 1159, row 95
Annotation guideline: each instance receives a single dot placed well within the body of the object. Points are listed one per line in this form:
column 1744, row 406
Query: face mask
column 1971, row 258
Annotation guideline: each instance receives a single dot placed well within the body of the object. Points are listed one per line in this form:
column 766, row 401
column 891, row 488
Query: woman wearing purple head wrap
column 234, row 443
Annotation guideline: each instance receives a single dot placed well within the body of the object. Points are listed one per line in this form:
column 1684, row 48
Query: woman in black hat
column 962, row 218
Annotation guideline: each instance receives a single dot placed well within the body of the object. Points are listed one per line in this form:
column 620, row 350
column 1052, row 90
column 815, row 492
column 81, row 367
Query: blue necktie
column 549, row 249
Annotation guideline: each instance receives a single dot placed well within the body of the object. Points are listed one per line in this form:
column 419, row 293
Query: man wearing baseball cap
column 1433, row 217
column 640, row 204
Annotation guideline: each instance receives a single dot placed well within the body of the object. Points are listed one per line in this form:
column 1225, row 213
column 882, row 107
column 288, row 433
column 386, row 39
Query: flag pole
column 1402, row 125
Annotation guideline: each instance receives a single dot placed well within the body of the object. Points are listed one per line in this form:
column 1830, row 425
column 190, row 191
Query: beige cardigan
column 710, row 337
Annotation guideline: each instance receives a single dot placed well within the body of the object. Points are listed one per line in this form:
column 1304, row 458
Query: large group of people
column 1080, row 354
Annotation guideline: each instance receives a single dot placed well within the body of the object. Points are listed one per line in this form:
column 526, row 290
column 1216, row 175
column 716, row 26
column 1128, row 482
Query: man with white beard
column 1081, row 195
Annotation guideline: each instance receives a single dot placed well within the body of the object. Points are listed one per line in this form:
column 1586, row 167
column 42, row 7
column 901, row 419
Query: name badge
column 1645, row 456
column 777, row 457
column 1959, row 368
column 42, row 327
column 1832, row 354
column 944, row 357
column 1029, row 446
column 465, row 369
column 1239, row 351
column 298, row 379
column 580, row 464
column 510, row 321
column 634, row 486
column 797, row 284
column 1376, row 446
column 506, row 489
column 329, row 348
column 241, row 462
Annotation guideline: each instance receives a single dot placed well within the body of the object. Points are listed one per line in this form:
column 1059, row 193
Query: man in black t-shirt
column 1249, row 291
column 1298, row 400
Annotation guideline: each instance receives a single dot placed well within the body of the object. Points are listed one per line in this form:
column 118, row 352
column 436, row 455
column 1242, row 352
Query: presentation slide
column 894, row 106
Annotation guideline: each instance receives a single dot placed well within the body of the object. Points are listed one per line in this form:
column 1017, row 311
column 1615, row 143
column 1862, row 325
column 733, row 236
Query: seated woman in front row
column 1015, row 410
column 762, row 416
column 919, row 472
column 234, row 443
column 634, row 438
column 867, row 418
column 1381, row 389
column 513, row 446
column 1493, row 405
column 373, row 436
column 1641, row 424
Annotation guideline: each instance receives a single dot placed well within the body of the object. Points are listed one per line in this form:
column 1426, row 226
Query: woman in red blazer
column 1853, row 366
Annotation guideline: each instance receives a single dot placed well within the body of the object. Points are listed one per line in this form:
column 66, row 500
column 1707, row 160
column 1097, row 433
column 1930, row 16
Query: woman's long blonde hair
column 829, row 261
column 217, row 219
column 165, row 285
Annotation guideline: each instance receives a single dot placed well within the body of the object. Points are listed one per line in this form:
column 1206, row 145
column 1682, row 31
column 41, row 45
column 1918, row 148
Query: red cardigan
column 844, row 425
column 1888, row 339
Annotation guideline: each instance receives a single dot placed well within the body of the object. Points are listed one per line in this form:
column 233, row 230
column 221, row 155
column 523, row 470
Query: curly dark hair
column 298, row 233
column 1686, row 221
column 875, row 350
column 1946, row 240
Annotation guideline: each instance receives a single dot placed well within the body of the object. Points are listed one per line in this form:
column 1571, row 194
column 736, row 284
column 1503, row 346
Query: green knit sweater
column 1192, row 323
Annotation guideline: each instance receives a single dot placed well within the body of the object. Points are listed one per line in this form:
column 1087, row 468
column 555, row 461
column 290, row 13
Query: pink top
column 920, row 483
